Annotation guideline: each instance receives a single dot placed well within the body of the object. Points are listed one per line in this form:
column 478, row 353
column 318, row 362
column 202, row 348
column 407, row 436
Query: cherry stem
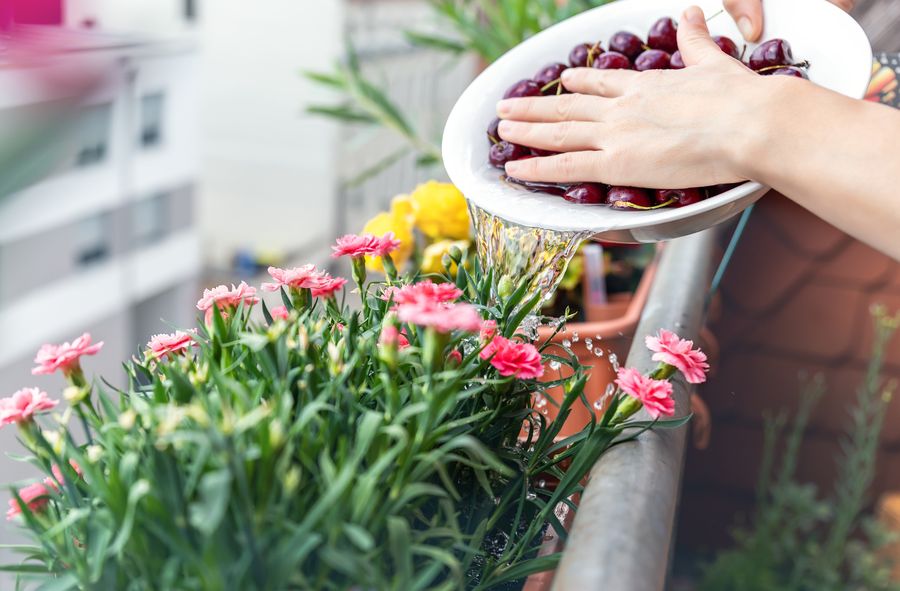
column 643, row 207
column 549, row 85
column 799, row 66
column 715, row 15
column 743, row 52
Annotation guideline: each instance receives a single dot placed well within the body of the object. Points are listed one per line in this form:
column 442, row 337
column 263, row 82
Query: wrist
column 767, row 112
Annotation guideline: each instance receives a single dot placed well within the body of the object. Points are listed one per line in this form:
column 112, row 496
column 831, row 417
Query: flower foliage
column 318, row 447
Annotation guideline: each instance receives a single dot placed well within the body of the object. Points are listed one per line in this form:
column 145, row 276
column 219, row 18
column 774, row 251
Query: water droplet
column 598, row 352
column 575, row 337
column 554, row 365
column 598, row 404
column 541, row 483
column 589, row 343
column 567, row 343
column 544, row 411
column 599, row 337
column 614, row 361
column 530, row 496
column 540, row 401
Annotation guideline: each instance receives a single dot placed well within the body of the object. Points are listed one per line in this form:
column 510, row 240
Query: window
column 152, row 119
column 149, row 219
column 93, row 240
column 92, row 135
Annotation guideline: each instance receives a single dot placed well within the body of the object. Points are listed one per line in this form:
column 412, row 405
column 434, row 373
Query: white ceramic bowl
column 818, row 31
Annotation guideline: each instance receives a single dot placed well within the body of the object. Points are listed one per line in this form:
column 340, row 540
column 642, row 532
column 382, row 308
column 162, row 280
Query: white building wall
column 269, row 169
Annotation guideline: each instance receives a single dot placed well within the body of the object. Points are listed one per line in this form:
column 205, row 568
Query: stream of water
column 516, row 253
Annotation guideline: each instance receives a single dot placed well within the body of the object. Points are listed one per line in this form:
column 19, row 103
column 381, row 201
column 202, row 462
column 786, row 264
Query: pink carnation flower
column 163, row 345
column 422, row 291
column 669, row 348
column 326, row 285
column 511, row 358
column 59, row 477
column 51, row 358
column 655, row 395
column 443, row 318
column 455, row 357
column 24, row 404
column 279, row 313
column 391, row 336
column 355, row 246
column 224, row 298
column 297, row 278
column 488, row 331
column 36, row 496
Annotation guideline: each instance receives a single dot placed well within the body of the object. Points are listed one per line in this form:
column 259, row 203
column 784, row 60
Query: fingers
column 847, row 5
column 608, row 83
column 567, row 136
column 748, row 15
column 694, row 40
column 562, row 168
column 565, row 107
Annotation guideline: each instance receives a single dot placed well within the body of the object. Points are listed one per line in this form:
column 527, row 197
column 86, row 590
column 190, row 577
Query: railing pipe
column 622, row 536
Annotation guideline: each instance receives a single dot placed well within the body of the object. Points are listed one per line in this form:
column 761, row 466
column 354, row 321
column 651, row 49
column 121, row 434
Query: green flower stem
column 433, row 351
column 390, row 269
column 358, row 271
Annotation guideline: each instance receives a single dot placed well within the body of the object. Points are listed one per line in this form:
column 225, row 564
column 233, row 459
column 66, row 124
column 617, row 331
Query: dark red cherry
column 523, row 88
column 584, row 54
column 676, row 62
column 589, row 193
column 542, row 153
column 612, row 60
column 536, row 187
column 548, row 75
column 503, row 152
column 663, row 35
column 627, row 44
column 682, row 197
column 774, row 52
column 652, row 59
column 727, row 45
column 493, row 131
column 617, row 197
column 788, row 71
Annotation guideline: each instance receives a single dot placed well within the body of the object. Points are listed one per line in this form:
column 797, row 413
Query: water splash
column 515, row 253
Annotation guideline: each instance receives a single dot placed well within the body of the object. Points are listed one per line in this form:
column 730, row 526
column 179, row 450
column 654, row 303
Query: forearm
column 837, row 157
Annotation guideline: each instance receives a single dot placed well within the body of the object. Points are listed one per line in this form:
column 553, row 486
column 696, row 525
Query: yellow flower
column 386, row 222
column 440, row 211
column 433, row 255
column 402, row 205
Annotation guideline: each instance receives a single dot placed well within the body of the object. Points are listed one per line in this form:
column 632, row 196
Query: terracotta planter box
column 612, row 332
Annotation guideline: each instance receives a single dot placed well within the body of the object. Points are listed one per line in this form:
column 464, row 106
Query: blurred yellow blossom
column 440, row 211
column 402, row 206
column 433, row 255
column 401, row 226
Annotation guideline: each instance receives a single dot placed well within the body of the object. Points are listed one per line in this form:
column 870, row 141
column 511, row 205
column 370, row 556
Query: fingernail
column 503, row 107
column 566, row 76
column 504, row 126
column 745, row 27
column 693, row 15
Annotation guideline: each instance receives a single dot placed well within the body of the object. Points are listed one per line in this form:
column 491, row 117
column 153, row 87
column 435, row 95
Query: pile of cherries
column 629, row 52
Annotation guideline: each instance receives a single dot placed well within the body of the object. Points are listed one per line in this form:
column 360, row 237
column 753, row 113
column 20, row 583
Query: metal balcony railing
column 622, row 536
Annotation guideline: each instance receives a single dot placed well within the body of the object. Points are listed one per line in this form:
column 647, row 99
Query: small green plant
column 316, row 446
column 799, row 541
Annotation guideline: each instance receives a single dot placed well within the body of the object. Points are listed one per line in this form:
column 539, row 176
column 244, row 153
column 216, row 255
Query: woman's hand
column 660, row 129
column 748, row 15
